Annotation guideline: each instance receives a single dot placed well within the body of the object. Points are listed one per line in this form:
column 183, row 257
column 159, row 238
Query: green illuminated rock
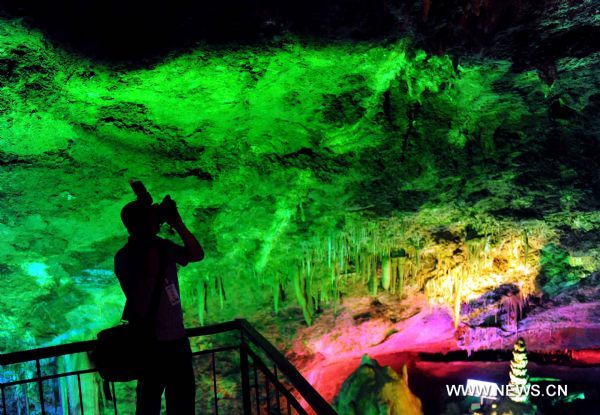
column 299, row 166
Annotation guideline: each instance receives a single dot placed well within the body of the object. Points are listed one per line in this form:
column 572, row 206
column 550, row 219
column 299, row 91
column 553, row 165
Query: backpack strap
column 152, row 311
column 157, row 290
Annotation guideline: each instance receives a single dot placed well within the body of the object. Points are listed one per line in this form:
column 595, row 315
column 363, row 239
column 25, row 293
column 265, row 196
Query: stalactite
column 300, row 291
column 397, row 254
column 276, row 295
column 202, row 301
column 457, row 292
column 401, row 275
column 526, row 244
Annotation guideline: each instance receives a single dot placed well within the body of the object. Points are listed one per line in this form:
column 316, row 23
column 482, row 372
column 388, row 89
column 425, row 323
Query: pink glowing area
column 328, row 352
column 395, row 332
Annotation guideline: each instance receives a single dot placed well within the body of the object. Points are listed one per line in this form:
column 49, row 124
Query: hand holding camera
column 165, row 211
column 169, row 211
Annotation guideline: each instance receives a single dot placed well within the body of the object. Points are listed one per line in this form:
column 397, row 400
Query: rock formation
column 376, row 390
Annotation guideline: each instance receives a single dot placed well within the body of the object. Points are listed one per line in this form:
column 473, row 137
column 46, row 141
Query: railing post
column 250, row 340
column 245, row 375
column 40, row 387
column 114, row 396
column 214, row 375
column 317, row 403
column 256, row 386
column 4, row 410
column 80, row 393
column 276, row 390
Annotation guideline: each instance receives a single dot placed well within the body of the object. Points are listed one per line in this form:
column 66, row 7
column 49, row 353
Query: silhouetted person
column 147, row 271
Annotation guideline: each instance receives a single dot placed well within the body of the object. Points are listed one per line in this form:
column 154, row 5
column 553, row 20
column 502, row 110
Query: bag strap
column 152, row 311
column 156, row 291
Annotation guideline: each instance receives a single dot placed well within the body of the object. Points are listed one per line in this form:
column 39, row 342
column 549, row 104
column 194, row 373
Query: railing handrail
column 308, row 392
column 216, row 328
column 87, row 345
column 304, row 388
column 46, row 352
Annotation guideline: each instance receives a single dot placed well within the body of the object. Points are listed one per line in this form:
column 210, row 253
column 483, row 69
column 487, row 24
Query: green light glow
column 575, row 397
column 301, row 167
column 538, row 379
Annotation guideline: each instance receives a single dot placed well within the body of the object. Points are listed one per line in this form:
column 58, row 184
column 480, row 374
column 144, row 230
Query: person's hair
column 136, row 217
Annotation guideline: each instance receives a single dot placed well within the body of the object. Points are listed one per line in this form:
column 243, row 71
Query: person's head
column 140, row 219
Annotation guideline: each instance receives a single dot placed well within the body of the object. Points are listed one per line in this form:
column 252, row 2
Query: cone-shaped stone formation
column 519, row 379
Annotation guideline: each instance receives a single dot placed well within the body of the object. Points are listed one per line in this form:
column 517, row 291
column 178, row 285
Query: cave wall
column 300, row 163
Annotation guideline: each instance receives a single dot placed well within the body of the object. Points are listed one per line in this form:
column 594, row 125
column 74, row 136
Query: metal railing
column 268, row 382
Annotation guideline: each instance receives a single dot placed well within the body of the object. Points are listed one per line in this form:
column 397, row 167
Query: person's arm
column 193, row 248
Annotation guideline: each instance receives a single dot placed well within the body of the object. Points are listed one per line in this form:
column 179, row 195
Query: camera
column 163, row 210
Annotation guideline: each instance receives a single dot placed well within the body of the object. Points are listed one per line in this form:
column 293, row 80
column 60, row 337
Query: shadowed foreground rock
column 376, row 390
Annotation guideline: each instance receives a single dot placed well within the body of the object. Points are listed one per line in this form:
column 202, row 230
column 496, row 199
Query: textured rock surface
column 376, row 390
column 297, row 160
